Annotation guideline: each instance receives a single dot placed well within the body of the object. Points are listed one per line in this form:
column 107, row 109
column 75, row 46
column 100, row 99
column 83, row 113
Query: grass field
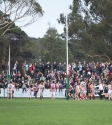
column 55, row 112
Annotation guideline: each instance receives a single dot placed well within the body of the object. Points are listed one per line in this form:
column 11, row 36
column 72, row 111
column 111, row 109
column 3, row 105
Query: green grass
column 55, row 112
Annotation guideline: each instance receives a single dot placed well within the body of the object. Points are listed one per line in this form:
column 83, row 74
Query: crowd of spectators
column 34, row 73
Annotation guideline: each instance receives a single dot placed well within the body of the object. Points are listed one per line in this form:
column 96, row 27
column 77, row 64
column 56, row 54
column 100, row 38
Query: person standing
column 36, row 88
column 27, row 68
column 36, row 68
column 48, row 67
column 41, row 89
column 31, row 68
column 40, row 67
column 9, row 90
column 23, row 88
column 106, row 91
column 77, row 91
column 60, row 67
column 54, row 66
column 31, row 91
column 24, row 68
column 83, row 90
column 70, row 94
column 91, row 90
column 60, row 87
column 53, row 89
column 13, row 88
column 100, row 90
column 80, row 68
column 15, row 68
column 110, row 91
column 43, row 68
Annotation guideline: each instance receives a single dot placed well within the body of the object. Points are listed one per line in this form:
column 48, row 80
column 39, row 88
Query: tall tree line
column 12, row 11
column 90, row 27
column 89, row 32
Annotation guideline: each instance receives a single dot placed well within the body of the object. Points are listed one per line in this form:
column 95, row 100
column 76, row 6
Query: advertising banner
column 46, row 93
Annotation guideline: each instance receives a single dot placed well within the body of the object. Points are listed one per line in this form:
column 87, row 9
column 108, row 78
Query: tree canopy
column 89, row 32
column 90, row 26
column 26, row 11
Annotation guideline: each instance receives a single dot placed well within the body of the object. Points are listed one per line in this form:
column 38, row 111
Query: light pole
column 6, row 18
column 67, row 79
column 9, row 67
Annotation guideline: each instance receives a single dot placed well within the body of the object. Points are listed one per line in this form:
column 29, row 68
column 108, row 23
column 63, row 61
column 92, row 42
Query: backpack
column 106, row 89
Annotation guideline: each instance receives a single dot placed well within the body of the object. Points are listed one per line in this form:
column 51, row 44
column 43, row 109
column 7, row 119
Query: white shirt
column 13, row 87
column 83, row 85
column 100, row 86
column 9, row 86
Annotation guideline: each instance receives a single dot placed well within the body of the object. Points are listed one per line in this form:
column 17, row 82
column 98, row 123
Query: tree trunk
column 1, row 54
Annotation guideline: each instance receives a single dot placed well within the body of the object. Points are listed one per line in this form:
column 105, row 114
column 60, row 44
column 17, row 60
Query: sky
column 52, row 9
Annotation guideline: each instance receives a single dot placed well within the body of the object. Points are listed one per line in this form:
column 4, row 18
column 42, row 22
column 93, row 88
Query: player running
column 83, row 90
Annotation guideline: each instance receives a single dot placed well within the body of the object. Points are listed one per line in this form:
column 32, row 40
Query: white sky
column 52, row 9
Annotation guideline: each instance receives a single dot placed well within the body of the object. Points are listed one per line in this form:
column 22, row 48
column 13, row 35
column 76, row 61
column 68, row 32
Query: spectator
column 43, row 68
column 36, row 68
column 60, row 87
column 64, row 67
column 60, row 68
column 48, row 67
column 16, row 67
column 80, row 68
column 24, row 68
column 18, row 75
column 27, row 68
column 54, row 66
column 100, row 89
column 40, row 67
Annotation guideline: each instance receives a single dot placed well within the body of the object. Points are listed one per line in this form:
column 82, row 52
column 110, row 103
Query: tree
column 17, row 10
column 33, row 50
column 55, row 46
column 89, row 25
column 76, row 26
column 3, row 50
column 101, row 24
column 12, row 11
